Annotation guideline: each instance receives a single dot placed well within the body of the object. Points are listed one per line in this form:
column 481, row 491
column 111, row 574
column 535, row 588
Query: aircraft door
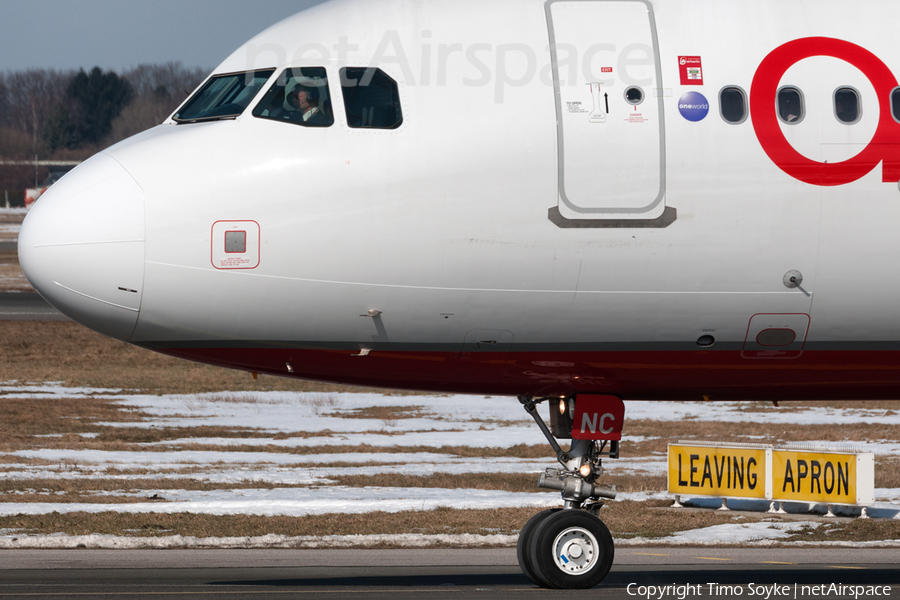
column 611, row 129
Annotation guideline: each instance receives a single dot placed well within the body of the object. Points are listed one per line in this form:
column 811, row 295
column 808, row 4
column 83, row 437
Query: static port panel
column 235, row 245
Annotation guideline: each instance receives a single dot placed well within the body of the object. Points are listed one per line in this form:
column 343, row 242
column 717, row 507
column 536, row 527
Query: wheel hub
column 575, row 551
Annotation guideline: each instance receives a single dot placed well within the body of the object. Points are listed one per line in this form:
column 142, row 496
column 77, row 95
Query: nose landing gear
column 569, row 548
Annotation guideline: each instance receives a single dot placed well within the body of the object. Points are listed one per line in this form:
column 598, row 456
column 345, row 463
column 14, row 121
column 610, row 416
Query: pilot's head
column 303, row 96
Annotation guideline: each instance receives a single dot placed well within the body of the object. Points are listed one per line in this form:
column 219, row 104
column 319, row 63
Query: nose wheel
column 565, row 549
column 523, row 546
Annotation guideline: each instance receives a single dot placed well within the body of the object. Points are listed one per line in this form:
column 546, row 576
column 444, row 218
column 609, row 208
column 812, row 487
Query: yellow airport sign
column 758, row 471
column 826, row 477
column 720, row 471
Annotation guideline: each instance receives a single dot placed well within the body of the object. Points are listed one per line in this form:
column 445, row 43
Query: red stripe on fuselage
column 646, row 375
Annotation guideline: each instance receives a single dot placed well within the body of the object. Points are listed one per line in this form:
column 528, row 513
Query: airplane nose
column 82, row 246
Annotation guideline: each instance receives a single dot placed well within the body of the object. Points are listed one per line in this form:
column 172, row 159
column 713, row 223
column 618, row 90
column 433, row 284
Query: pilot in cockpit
column 299, row 96
column 305, row 100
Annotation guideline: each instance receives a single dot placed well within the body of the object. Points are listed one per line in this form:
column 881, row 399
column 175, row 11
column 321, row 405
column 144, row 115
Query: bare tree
column 171, row 79
column 143, row 113
column 30, row 95
column 4, row 102
column 159, row 90
column 28, row 99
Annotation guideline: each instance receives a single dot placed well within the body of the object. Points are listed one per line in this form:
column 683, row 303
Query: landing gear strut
column 569, row 548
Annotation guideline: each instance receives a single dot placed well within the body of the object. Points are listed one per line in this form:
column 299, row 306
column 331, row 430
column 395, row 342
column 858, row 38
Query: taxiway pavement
column 26, row 306
column 437, row 573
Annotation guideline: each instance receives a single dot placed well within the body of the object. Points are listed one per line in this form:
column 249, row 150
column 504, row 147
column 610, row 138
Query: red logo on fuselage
column 884, row 147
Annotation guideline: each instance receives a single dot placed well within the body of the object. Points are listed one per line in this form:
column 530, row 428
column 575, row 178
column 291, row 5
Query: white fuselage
column 527, row 229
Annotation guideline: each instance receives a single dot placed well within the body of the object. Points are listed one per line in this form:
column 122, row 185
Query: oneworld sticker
column 693, row 106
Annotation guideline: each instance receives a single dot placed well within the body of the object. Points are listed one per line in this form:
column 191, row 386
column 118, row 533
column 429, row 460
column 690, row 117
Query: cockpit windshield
column 223, row 97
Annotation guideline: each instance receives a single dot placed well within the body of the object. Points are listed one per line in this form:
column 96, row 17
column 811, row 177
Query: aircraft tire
column 571, row 549
column 523, row 546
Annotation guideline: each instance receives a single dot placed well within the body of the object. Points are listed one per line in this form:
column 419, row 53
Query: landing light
column 562, row 406
column 585, row 470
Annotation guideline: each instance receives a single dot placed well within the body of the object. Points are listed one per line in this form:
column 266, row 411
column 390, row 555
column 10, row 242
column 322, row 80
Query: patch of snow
column 177, row 460
column 458, row 420
column 407, row 540
column 21, row 210
column 298, row 502
column 493, row 438
column 729, row 533
column 730, row 412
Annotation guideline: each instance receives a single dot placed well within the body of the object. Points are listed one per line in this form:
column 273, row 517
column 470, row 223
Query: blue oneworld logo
column 693, row 106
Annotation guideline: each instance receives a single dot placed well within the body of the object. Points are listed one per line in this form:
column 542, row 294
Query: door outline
column 618, row 220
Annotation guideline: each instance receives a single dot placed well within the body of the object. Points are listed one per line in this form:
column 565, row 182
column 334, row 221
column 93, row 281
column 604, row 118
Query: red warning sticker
column 691, row 68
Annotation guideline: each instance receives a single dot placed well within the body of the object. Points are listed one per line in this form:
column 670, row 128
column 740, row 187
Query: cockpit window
column 371, row 98
column 299, row 96
column 223, row 97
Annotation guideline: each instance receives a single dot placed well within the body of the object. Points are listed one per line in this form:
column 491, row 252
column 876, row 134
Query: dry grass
column 891, row 406
column 508, row 482
column 202, row 401
column 519, row 451
column 9, row 219
column 319, row 401
column 887, row 472
column 78, row 357
column 86, row 490
column 68, row 353
column 28, row 498
column 857, row 530
column 23, row 418
column 10, row 489
column 286, row 435
column 11, row 277
column 625, row 519
column 125, row 435
column 384, row 413
column 506, row 521
column 749, row 431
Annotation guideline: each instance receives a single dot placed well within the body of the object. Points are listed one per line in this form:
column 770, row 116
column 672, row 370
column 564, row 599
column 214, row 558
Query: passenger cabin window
column 846, row 105
column 299, row 96
column 733, row 104
column 371, row 99
column 895, row 104
column 790, row 105
column 223, row 97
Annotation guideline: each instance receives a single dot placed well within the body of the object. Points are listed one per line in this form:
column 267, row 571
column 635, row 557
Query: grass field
column 10, row 221
column 94, row 425
column 11, row 277
column 112, row 400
